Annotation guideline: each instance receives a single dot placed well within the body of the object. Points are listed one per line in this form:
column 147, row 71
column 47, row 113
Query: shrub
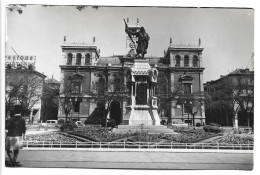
column 198, row 124
column 68, row 126
column 61, row 122
column 210, row 128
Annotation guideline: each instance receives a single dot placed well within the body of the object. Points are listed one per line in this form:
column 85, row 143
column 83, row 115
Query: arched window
column 178, row 61
column 195, row 61
column 78, row 59
column 69, row 59
column 87, row 59
column 186, row 61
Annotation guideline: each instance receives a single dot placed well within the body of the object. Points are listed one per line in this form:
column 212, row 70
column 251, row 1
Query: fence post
column 202, row 145
column 100, row 144
column 76, row 144
column 60, row 144
column 148, row 144
column 27, row 144
column 156, row 145
column 186, row 145
column 171, row 145
column 43, row 144
column 124, row 144
column 218, row 145
column 51, row 144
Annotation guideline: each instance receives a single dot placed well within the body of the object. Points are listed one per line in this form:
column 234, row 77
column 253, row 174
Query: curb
column 142, row 150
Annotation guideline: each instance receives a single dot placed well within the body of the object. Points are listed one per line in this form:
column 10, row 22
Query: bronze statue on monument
column 143, row 40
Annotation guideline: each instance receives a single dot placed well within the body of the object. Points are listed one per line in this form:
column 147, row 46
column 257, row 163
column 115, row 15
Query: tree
column 233, row 94
column 195, row 102
column 50, row 100
column 23, row 86
column 20, row 7
column 104, row 91
column 167, row 92
column 67, row 93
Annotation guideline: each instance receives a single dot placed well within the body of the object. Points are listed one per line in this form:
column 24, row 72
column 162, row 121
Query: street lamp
column 189, row 110
column 71, row 109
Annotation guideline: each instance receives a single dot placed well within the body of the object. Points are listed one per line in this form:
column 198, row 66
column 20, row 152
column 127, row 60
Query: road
column 205, row 160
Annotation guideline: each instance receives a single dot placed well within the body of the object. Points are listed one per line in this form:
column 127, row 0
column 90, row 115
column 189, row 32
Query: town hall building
column 83, row 65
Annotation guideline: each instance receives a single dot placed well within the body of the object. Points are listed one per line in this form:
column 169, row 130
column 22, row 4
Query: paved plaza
column 177, row 160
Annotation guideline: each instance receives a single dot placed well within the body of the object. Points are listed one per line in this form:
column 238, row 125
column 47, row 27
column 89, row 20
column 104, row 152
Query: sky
column 227, row 35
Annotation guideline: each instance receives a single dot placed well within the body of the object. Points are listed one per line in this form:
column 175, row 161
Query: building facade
column 83, row 65
column 233, row 95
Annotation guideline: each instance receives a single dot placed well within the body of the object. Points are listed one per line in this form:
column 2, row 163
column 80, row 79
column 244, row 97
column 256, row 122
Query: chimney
column 64, row 40
column 127, row 20
column 137, row 22
column 94, row 40
column 170, row 41
column 199, row 42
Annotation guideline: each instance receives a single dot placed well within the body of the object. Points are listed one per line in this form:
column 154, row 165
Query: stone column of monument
column 143, row 107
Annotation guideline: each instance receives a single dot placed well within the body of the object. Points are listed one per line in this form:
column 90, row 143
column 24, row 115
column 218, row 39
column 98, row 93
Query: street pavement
column 130, row 159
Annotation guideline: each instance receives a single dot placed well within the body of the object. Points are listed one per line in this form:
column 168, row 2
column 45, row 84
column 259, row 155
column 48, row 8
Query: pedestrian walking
column 15, row 136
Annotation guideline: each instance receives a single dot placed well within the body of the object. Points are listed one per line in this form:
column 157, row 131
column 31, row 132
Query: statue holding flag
column 143, row 40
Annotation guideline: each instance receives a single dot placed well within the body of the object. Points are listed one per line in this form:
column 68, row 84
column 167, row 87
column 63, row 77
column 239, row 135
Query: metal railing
column 136, row 145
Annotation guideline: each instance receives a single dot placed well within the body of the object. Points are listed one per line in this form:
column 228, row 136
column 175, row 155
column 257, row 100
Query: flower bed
column 234, row 139
column 99, row 134
column 49, row 137
column 105, row 135
column 189, row 137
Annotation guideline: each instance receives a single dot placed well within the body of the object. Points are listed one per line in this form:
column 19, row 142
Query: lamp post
column 71, row 109
column 189, row 110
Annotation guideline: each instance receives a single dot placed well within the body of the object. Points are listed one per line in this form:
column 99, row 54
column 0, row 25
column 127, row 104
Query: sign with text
column 20, row 60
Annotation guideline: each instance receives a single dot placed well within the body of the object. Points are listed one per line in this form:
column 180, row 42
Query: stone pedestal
column 142, row 107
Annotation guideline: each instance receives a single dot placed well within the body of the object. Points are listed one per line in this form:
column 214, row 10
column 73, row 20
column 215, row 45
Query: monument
column 141, row 109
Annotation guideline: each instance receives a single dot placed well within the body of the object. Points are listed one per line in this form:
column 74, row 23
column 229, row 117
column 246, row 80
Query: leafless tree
column 25, row 87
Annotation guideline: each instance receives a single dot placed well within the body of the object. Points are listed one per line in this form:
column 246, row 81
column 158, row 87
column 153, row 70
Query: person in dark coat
column 15, row 135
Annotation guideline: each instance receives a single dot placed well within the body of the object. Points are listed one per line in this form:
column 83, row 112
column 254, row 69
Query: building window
column 117, row 84
column 76, row 87
column 187, row 88
column 195, row 61
column 77, row 106
column 178, row 61
column 186, row 61
column 101, row 85
column 87, row 59
column 187, row 108
column 69, row 59
column 78, row 59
